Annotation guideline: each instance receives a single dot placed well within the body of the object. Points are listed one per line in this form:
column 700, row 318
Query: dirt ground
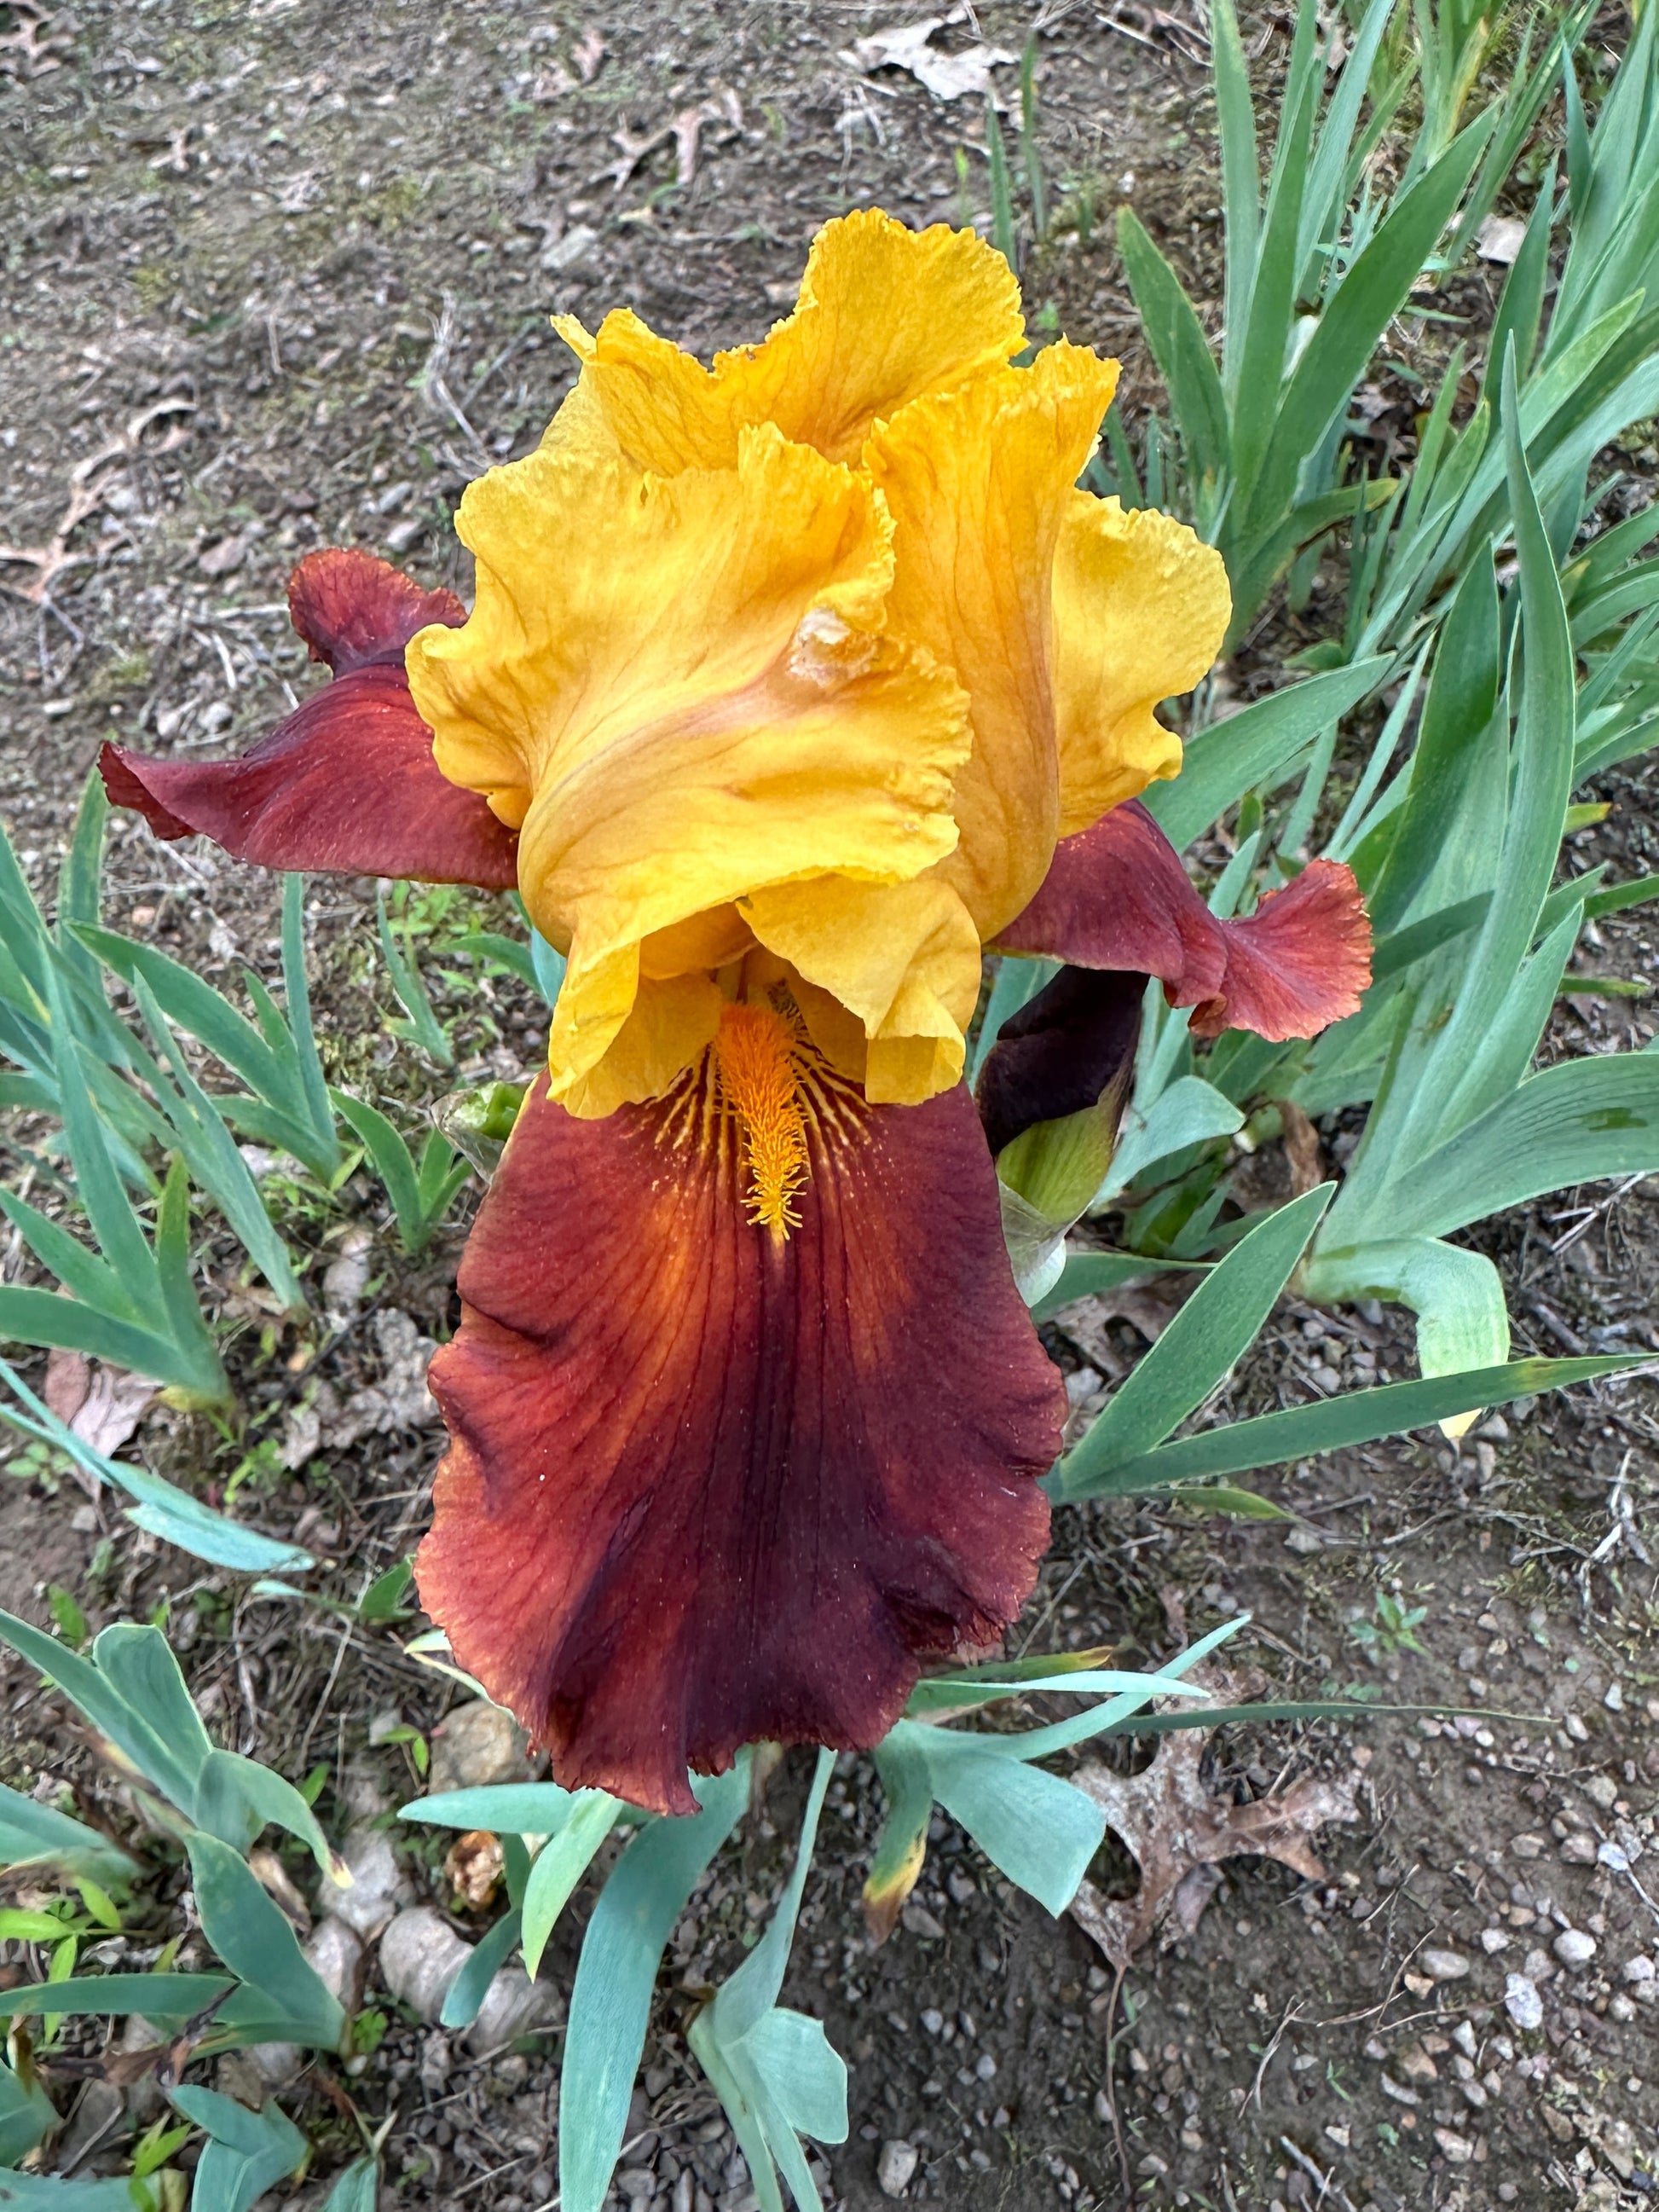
column 277, row 274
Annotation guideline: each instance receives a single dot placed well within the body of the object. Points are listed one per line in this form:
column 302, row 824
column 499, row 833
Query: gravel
column 1444, row 1966
column 477, row 1746
column 1523, row 2002
column 899, row 2161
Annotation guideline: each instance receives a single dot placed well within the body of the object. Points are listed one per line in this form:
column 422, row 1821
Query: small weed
column 262, row 1466
column 66, row 1616
column 121, row 673
column 1392, row 1629
column 36, row 1463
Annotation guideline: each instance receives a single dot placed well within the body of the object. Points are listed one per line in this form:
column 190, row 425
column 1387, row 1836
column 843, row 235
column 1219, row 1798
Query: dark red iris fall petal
column 707, row 1486
column 347, row 783
column 1116, row 897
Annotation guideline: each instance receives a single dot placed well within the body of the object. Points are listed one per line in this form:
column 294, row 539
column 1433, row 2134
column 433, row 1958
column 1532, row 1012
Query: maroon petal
column 352, row 609
column 1116, row 897
column 708, row 1485
column 348, row 781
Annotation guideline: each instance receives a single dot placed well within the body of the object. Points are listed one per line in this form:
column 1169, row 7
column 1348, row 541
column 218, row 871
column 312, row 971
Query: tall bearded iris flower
column 789, row 686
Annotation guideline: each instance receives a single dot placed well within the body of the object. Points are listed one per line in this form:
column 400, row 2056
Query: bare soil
column 277, row 275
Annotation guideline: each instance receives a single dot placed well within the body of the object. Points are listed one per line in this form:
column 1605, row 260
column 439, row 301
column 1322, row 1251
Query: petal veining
column 885, row 314
column 709, row 1485
column 1118, row 897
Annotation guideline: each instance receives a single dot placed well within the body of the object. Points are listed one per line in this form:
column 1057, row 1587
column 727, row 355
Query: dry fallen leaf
column 38, row 41
column 274, row 1879
column 400, row 1400
column 1178, row 1831
column 1085, row 1322
column 102, row 1404
column 587, row 53
column 684, row 130
column 1500, row 238
column 947, row 77
column 474, row 1867
column 1301, row 1149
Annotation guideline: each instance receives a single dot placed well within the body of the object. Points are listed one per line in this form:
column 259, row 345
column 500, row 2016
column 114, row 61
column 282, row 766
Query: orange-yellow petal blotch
column 755, row 1059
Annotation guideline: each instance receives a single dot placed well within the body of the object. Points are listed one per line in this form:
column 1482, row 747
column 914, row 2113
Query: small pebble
column 1523, row 2002
column 1602, row 1789
column 1638, row 1969
column 1444, row 1966
column 1458, row 2148
column 1574, row 1949
column 899, row 2161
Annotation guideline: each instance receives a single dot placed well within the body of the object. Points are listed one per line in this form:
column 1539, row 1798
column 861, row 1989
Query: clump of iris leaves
column 1503, row 633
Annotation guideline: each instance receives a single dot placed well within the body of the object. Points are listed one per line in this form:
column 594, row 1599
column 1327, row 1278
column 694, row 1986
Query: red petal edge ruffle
column 706, row 1488
column 1116, row 895
column 348, row 781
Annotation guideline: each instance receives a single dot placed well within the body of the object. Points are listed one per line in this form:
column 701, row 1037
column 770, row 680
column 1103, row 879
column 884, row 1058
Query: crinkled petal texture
column 1141, row 605
column 1118, row 897
column 812, row 654
column 679, row 686
column 708, row 1485
column 348, row 780
column 979, row 482
column 885, row 315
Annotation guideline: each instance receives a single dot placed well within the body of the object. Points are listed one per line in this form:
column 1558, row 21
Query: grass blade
column 1201, row 1344
column 297, row 993
column 1357, row 1417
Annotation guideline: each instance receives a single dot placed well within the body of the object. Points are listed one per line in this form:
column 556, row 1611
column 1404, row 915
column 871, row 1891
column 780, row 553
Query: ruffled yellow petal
column 884, row 314
column 638, row 395
column 1141, row 605
column 666, row 1027
column 680, row 688
column 903, row 958
column 979, row 482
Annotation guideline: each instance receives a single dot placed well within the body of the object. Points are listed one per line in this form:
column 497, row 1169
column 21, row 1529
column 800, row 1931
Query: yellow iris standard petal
column 1141, row 605
column 680, row 688
column 885, row 315
column 980, row 482
column 638, row 395
column 903, row 958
